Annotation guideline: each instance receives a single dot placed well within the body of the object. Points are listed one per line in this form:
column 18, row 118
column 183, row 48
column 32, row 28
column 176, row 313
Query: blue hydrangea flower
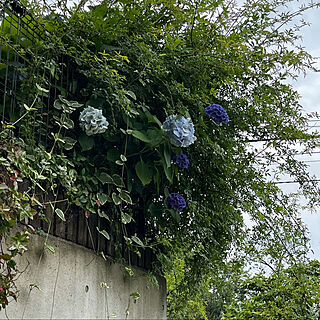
column 92, row 121
column 180, row 130
column 216, row 112
column 181, row 160
column 176, row 201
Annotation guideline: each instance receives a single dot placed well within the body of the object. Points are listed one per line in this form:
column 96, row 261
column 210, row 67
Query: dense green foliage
column 291, row 293
column 140, row 62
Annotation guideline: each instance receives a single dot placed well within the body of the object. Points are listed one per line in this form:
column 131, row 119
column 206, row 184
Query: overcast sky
column 309, row 89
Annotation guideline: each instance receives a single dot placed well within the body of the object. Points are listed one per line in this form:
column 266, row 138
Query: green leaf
column 125, row 197
column 175, row 215
column 104, row 233
column 135, row 295
column 123, row 158
column 155, row 211
column 11, row 222
column 104, row 178
column 131, row 94
column 41, row 90
column 144, row 172
column 69, row 143
column 60, row 214
column 113, row 155
column 68, row 123
column 86, row 142
column 11, row 264
column 167, row 156
column 49, row 247
column 155, row 137
column 137, row 240
column 3, row 186
column 125, row 218
column 129, row 271
column 28, row 108
column 166, row 192
column 117, row 180
column 57, row 104
column 103, row 198
column 102, row 214
column 75, row 104
column 116, row 199
column 140, row 135
column 168, row 171
column 119, row 162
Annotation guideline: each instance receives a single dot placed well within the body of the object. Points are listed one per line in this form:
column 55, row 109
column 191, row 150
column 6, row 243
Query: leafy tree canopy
column 291, row 293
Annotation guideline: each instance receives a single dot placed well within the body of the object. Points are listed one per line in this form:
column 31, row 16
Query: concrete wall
column 69, row 283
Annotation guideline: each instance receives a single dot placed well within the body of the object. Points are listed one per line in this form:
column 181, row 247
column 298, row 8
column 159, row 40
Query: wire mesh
column 18, row 31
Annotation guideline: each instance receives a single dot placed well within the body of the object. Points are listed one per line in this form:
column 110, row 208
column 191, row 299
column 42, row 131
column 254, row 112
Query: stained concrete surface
column 75, row 283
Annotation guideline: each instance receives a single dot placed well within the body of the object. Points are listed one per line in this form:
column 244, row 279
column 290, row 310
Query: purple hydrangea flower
column 216, row 112
column 176, row 201
column 180, row 130
column 181, row 160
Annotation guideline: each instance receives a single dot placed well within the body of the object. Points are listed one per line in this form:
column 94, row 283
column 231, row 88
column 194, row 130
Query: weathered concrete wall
column 70, row 286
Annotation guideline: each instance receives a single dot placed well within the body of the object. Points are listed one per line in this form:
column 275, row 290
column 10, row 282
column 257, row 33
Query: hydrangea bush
column 180, row 130
column 92, row 121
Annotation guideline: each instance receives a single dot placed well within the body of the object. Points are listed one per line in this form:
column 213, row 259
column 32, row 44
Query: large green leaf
column 167, row 170
column 155, row 137
column 141, row 136
column 137, row 241
column 167, row 156
column 113, row 154
column 144, row 172
column 86, row 142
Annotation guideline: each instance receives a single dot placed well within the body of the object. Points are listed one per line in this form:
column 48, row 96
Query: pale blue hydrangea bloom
column 180, row 130
column 92, row 121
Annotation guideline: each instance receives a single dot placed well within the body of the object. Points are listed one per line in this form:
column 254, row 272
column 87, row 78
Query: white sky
column 309, row 89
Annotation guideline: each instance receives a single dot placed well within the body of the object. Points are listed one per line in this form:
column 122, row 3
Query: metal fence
column 18, row 31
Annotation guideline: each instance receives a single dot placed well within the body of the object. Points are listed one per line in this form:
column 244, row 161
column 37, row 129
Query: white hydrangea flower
column 92, row 121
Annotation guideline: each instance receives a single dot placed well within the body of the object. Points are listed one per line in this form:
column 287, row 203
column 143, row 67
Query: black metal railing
column 18, row 32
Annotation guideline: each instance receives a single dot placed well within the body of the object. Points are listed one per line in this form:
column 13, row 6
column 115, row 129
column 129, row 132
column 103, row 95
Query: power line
column 294, row 181
column 317, row 160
